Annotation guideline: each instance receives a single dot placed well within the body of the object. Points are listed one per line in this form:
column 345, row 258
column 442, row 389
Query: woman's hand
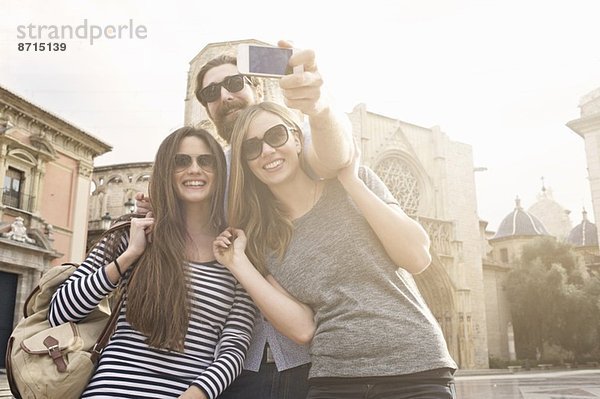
column 142, row 204
column 139, row 231
column 229, row 247
column 302, row 90
column 139, row 235
column 193, row 392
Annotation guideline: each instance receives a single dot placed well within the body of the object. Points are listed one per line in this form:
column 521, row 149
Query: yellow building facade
column 45, row 166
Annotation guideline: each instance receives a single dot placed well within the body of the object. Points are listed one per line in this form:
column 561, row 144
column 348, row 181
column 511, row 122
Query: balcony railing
column 17, row 200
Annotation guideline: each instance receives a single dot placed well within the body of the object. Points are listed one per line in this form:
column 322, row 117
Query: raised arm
column 94, row 279
column 292, row 318
column 330, row 147
column 405, row 241
column 83, row 291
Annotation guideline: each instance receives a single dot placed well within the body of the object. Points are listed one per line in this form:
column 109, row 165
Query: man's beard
column 226, row 116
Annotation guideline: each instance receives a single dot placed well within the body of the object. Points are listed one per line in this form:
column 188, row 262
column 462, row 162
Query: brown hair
column 251, row 205
column 158, row 302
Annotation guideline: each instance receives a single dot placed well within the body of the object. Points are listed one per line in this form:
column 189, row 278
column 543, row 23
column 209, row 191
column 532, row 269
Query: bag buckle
column 54, row 351
column 52, row 348
column 95, row 349
column 95, row 352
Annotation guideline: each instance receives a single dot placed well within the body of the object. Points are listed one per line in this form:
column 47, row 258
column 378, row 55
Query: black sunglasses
column 207, row 162
column 276, row 136
column 233, row 84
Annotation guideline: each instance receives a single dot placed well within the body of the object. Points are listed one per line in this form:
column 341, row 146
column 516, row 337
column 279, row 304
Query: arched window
column 402, row 182
column 115, row 180
column 143, row 178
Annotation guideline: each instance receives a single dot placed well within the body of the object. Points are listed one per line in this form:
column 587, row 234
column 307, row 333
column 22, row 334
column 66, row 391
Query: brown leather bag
column 57, row 362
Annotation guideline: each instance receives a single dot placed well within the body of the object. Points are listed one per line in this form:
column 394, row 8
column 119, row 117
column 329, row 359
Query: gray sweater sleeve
column 376, row 185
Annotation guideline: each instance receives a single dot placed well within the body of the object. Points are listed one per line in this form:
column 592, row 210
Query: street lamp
column 129, row 206
column 106, row 220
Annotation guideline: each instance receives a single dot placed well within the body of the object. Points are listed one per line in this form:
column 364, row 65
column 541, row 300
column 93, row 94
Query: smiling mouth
column 195, row 183
column 273, row 165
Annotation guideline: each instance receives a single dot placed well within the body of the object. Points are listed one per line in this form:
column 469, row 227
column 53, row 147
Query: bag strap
column 108, row 330
column 111, row 324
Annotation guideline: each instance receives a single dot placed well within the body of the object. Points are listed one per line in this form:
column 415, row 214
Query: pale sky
column 502, row 76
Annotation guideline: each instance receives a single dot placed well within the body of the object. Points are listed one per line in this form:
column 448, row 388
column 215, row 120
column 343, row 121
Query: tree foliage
column 579, row 318
column 553, row 301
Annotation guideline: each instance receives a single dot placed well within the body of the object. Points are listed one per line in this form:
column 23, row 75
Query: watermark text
column 85, row 31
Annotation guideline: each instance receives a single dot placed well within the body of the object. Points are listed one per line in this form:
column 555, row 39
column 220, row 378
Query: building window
column 401, row 181
column 115, row 180
column 143, row 178
column 504, row 255
column 12, row 188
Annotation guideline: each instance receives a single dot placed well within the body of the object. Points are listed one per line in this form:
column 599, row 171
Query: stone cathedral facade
column 432, row 177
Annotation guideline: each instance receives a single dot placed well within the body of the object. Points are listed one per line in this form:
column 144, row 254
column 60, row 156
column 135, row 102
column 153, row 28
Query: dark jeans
column 268, row 383
column 383, row 391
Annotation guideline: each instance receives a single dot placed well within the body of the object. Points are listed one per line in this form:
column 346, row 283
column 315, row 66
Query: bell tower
column 588, row 127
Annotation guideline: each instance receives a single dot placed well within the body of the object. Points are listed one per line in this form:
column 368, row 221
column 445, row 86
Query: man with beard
column 275, row 367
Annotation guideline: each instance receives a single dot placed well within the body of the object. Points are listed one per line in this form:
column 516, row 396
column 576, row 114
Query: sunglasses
column 206, row 162
column 275, row 137
column 233, row 84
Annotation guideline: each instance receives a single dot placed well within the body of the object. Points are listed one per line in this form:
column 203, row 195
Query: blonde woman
column 341, row 250
column 185, row 326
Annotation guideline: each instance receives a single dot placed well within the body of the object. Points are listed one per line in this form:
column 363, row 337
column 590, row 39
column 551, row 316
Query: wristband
column 118, row 267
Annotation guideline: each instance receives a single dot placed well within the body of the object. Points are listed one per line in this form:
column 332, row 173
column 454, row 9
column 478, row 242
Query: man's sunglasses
column 275, row 137
column 233, row 84
column 207, row 162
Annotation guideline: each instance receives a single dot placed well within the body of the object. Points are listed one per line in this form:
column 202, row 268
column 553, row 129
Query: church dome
column 553, row 216
column 520, row 223
column 585, row 234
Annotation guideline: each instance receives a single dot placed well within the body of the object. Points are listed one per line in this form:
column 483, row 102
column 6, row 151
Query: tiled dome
column 520, row 223
column 585, row 234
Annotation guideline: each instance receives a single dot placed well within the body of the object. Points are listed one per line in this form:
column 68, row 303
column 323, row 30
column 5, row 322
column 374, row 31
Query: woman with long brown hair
column 185, row 326
column 345, row 250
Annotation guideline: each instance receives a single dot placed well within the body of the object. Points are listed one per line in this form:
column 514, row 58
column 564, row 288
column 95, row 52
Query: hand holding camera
column 300, row 79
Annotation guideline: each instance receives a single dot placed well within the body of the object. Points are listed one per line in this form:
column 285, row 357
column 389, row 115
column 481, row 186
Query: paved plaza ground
column 565, row 384
column 568, row 384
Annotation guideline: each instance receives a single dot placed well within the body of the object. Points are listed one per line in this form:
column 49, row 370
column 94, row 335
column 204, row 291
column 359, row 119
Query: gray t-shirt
column 371, row 318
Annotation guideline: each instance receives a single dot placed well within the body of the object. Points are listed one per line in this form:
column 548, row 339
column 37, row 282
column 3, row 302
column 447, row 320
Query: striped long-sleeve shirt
column 220, row 325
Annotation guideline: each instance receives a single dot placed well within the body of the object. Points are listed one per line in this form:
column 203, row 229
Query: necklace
column 315, row 194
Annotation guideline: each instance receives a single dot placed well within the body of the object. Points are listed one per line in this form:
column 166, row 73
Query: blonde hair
column 251, row 205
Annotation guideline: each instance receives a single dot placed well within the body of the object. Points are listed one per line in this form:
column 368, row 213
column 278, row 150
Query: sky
column 504, row 77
